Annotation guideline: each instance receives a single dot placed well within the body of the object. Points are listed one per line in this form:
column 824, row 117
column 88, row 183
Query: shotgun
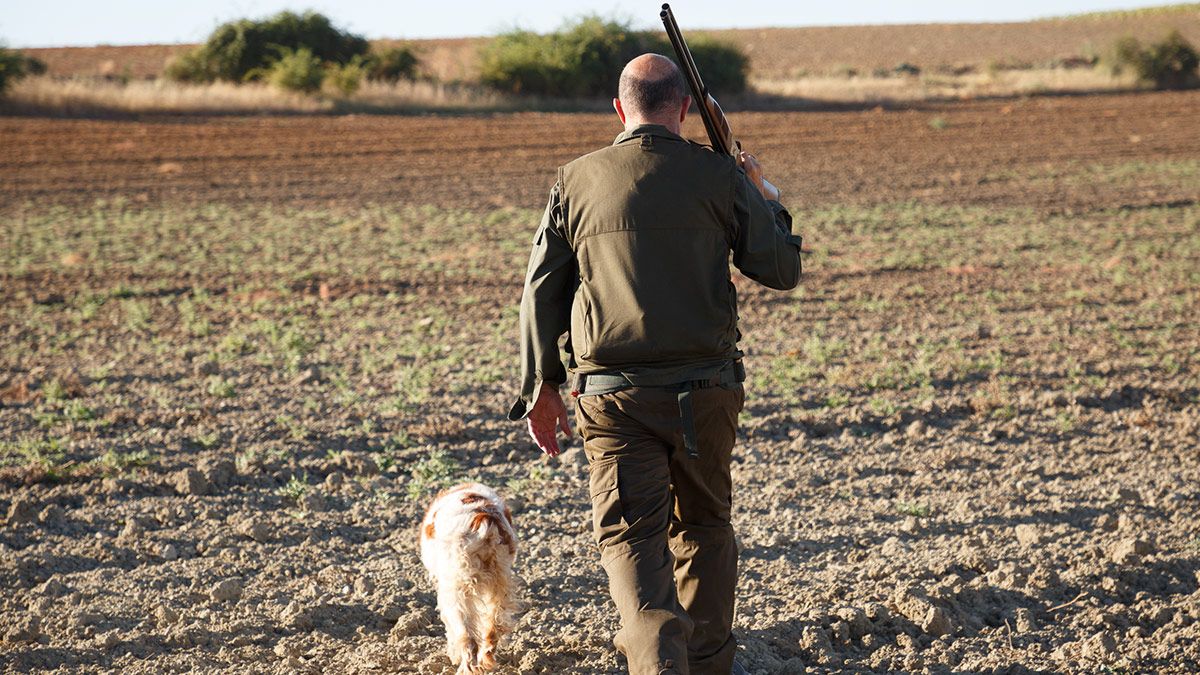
column 715, row 122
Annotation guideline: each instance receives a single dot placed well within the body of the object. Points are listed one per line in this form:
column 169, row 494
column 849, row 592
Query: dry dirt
column 1006, row 152
column 238, row 352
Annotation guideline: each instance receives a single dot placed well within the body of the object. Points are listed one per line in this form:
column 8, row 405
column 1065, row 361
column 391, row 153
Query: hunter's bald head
column 651, row 86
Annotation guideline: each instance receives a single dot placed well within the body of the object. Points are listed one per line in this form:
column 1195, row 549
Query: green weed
column 220, row 387
column 206, row 439
column 436, row 471
column 295, row 488
column 914, row 509
column 115, row 461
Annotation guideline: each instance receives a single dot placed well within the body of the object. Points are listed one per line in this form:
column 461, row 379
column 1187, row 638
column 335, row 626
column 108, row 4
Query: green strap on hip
column 687, row 418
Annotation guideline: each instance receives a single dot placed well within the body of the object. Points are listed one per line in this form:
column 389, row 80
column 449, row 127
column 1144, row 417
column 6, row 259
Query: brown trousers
column 662, row 522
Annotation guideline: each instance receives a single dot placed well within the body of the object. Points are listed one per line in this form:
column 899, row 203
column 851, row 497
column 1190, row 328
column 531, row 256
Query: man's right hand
column 549, row 414
column 754, row 172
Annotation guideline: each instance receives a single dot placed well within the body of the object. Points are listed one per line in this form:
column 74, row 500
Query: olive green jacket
column 631, row 260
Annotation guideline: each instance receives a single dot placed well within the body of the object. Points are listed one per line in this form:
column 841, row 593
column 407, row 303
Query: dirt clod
column 314, row 502
column 219, row 472
column 856, row 620
column 1027, row 535
column 915, row 430
column 165, row 616
column 205, row 367
column 1023, row 619
column 255, row 529
column 1100, row 647
column 936, row 622
column 28, row 629
column 22, row 511
column 191, row 482
column 227, row 590
column 51, row 515
column 1129, row 551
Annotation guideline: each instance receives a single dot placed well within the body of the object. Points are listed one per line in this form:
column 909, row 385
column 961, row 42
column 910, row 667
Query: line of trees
column 306, row 52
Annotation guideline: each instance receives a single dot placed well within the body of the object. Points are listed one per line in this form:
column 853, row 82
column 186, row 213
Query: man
column 632, row 260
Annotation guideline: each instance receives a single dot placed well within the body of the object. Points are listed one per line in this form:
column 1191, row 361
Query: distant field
column 777, row 52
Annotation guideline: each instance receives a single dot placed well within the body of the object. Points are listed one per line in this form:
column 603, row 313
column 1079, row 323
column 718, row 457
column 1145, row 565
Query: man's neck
column 672, row 125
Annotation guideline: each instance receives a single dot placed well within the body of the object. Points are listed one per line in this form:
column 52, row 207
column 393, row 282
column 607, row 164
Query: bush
column 14, row 65
column 723, row 66
column 344, row 80
column 1171, row 63
column 296, row 70
column 245, row 49
column 586, row 58
column 392, row 64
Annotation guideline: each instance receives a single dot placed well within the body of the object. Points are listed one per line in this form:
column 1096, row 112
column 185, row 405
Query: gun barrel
column 700, row 94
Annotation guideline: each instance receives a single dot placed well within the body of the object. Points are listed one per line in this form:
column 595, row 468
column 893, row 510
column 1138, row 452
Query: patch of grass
column 295, row 488
column 836, row 400
column 76, row 411
column 114, row 461
column 207, row 439
column 914, row 509
column 54, row 390
column 47, row 418
column 137, row 314
column 820, row 351
column 436, row 471
column 195, row 324
column 220, row 387
column 885, row 407
column 45, row 454
column 296, row 430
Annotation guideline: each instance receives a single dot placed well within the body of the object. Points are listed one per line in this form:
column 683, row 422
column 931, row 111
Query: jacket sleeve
column 545, row 307
column 764, row 248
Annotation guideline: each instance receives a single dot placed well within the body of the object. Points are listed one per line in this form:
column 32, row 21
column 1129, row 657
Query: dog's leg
column 460, row 646
column 497, row 611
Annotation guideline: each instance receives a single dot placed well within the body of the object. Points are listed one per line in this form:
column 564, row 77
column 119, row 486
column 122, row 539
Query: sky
column 90, row 22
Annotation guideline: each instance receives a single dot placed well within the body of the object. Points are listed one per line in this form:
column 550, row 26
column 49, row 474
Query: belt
column 595, row 384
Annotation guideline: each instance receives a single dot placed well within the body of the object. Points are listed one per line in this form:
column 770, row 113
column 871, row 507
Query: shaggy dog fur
column 468, row 544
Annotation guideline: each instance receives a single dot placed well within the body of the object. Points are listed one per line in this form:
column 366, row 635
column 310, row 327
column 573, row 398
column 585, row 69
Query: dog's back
column 468, row 544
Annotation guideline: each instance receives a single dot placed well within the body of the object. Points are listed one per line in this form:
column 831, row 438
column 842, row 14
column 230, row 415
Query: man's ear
column 687, row 103
column 619, row 109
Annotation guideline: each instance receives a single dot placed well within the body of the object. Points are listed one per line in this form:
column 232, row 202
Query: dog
column 468, row 544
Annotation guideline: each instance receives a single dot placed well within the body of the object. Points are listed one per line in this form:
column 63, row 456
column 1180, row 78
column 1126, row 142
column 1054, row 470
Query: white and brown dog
column 468, row 544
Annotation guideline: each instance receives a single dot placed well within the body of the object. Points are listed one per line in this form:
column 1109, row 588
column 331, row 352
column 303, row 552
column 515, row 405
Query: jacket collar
column 646, row 130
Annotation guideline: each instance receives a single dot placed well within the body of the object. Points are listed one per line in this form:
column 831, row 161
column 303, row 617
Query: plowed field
column 1023, row 152
column 238, row 354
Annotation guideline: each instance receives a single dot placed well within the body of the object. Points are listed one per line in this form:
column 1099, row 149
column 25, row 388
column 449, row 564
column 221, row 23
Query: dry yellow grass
column 861, row 89
column 82, row 95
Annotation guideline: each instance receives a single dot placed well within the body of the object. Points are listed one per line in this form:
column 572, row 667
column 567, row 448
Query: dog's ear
column 508, row 516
